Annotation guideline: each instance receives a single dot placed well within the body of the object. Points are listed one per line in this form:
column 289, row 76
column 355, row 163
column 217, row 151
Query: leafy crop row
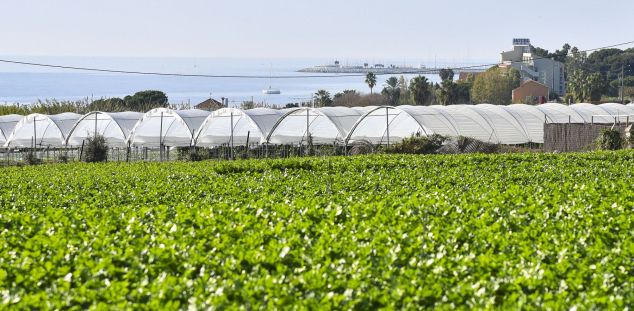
column 473, row 231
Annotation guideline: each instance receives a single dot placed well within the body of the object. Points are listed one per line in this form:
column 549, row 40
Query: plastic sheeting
column 558, row 113
column 621, row 112
column 167, row 127
column 115, row 127
column 506, row 127
column 591, row 113
column 326, row 125
column 232, row 126
column 43, row 130
column 7, row 124
column 382, row 125
column 530, row 118
column 513, row 124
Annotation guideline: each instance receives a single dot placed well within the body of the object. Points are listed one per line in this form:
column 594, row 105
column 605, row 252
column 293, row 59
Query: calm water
column 25, row 84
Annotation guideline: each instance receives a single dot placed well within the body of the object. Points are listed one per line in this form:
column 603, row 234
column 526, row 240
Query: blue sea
column 26, row 84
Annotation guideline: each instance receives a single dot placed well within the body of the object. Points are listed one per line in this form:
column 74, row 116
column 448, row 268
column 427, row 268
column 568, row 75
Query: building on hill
column 209, row 104
column 532, row 67
column 530, row 92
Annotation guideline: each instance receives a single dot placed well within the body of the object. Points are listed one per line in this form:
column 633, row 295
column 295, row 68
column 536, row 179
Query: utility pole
column 622, row 78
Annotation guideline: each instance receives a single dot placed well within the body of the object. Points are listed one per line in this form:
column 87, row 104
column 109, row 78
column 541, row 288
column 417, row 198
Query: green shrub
column 464, row 144
column 63, row 158
column 32, row 159
column 96, row 149
column 192, row 154
column 362, row 147
column 609, row 139
column 418, row 144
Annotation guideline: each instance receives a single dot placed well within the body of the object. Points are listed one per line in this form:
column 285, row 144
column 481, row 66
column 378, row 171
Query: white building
column 532, row 67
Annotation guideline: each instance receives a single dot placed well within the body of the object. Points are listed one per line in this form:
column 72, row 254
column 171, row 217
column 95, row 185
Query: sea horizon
column 27, row 84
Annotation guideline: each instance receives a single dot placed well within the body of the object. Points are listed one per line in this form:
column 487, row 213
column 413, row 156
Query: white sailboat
column 270, row 90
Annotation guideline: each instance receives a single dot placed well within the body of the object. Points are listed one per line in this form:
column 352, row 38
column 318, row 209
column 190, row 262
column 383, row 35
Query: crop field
column 535, row 231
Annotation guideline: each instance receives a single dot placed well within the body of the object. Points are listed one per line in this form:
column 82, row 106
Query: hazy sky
column 357, row 29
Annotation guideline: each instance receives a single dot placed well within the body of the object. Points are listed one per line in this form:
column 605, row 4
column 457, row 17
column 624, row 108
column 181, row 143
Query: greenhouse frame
column 233, row 126
column 515, row 124
column 43, row 131
column 115, row 127
column 7, row 124
column 324, row 126
column 167, row 127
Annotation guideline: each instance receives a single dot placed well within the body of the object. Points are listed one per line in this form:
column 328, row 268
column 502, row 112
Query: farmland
column 470, row 231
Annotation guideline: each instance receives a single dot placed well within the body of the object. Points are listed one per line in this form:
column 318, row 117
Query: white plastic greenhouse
column 326, row 125
column 513, row 124
column 42, row 130
column 114, row 126
column 7, row 124
column 618, row 110
column 167, row 127
column 591, row 113
column 232, row 126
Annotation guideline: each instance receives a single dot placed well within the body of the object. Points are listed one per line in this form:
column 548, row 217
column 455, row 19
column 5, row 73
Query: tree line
column 600, row 75
column 140, row 101
column 493, row 86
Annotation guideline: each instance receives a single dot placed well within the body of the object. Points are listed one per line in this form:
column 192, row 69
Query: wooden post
column 246, row 146
column 81, row 150
column 161, row 140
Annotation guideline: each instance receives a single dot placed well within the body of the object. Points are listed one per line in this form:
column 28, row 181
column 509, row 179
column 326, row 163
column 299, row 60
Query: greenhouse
column 113, row 126
column 592, row 113
column 530, row 119
column 232, row 126
column 325, row 126
column 167, row 127
column 485, row 122
column 506, row 127
column 42, row 131
column 558, row 113
column 513, row 124
column 621, row 112
column 403, row 121
column 7, row 124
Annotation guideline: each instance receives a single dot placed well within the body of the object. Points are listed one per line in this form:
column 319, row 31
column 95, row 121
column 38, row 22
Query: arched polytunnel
column 7, row 124
column 113, row 126
column 470, row 123
column 167, row 127
column 40, row 131
column 506, row 127
column 530, row 118
column 592, row 113
column 326, row 125
column 558, row 113
column 622, row 113
column 232, row 126
column 387, row 124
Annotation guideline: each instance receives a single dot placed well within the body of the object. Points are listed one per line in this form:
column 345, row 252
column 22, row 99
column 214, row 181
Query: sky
column 463, row 31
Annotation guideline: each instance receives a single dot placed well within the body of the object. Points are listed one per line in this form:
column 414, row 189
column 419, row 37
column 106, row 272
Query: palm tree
column 392, row 82
column 392, row 91
column 420, row 88
column 448, row 93
column 322, row 98
column 370, row 80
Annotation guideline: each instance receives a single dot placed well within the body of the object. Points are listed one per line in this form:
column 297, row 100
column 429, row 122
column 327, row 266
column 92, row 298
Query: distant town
column 380, row 69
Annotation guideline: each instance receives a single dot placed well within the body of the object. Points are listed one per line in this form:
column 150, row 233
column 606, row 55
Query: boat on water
column 271, row 91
